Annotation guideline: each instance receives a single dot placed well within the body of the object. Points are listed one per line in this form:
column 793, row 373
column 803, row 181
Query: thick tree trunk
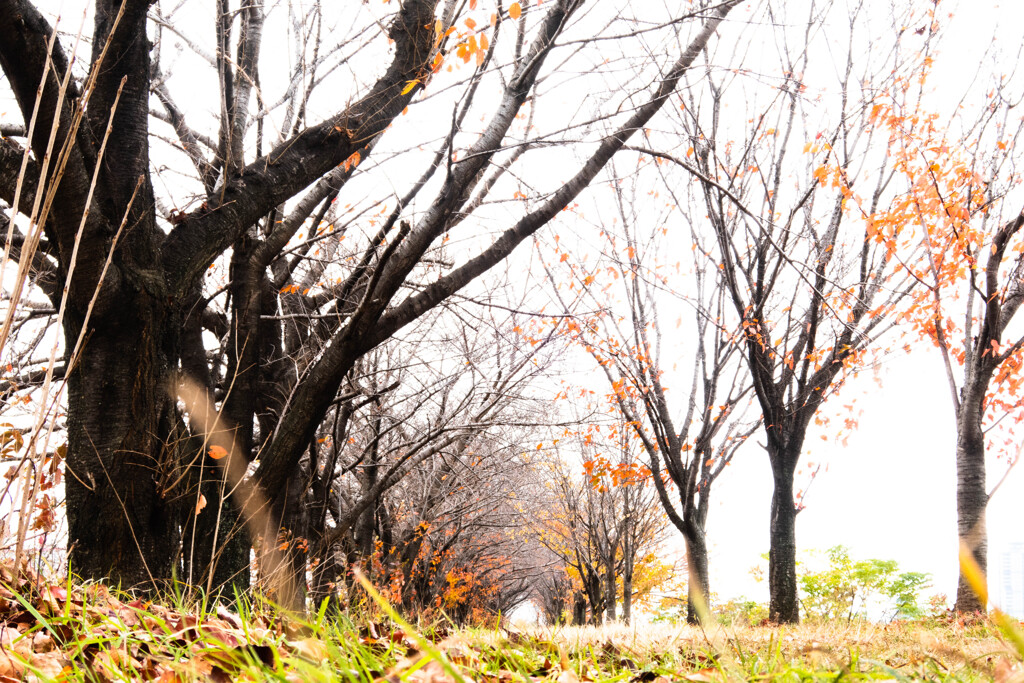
column 971, row 496
column 124, row 483
column 783, row 607
column 698, row 580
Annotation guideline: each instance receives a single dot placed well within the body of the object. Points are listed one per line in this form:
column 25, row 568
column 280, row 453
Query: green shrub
column 741, row 612
column 865, row 589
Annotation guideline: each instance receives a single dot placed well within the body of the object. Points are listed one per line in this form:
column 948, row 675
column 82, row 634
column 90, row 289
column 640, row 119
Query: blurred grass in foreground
column 63, row 632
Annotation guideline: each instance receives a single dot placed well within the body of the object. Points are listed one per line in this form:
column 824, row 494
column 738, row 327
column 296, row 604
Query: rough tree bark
column 782, row 585
column 971, row 493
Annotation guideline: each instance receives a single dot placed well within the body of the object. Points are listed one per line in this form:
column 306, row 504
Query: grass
column 65, row 632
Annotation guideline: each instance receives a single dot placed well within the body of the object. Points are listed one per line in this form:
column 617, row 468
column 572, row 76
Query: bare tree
column 810, row 285
column 687, row 446
column 958, row 185
column 136, row 253
column 421, row 446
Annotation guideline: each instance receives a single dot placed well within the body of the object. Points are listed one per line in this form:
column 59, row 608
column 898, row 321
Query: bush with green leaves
column 861, row 589
column 741, row 612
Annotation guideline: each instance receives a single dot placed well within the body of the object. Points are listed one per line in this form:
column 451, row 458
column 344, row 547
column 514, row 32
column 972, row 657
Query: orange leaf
column 201, row 503
column 514, row 10
column 217, row 452
column 470, row 24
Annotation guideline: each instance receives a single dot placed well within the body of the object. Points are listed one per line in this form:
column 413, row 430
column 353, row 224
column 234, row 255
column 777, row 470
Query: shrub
column 866, row 589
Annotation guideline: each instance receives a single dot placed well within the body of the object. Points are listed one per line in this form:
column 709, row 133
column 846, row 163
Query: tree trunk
column 124, row 489
column 627, row 582
column 595, row 596
column 327, row 576
column 609, row 590
column 783, row 607
column 123, row 483
column 295, row 528
column 971, row 496
column 579, row 609
column 698, row 580
column 218, row 555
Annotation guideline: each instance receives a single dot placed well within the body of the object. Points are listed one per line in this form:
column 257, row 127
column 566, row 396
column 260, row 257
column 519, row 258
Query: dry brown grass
column 943, row 651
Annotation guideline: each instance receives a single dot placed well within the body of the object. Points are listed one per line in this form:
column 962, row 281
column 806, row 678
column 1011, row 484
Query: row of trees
column 832, row 218
column 267, row 249
column 318, row 260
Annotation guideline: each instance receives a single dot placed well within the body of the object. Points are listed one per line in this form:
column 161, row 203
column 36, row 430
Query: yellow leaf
column 410, row 85
column 514, row 10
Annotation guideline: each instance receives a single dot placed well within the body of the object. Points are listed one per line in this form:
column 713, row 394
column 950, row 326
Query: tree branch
column 296, row 163
column 415, row 306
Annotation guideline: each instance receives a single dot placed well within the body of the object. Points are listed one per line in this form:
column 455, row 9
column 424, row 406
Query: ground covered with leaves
column 65, row 632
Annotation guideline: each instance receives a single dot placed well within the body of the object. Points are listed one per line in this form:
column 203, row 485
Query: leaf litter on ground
column 51, row 631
